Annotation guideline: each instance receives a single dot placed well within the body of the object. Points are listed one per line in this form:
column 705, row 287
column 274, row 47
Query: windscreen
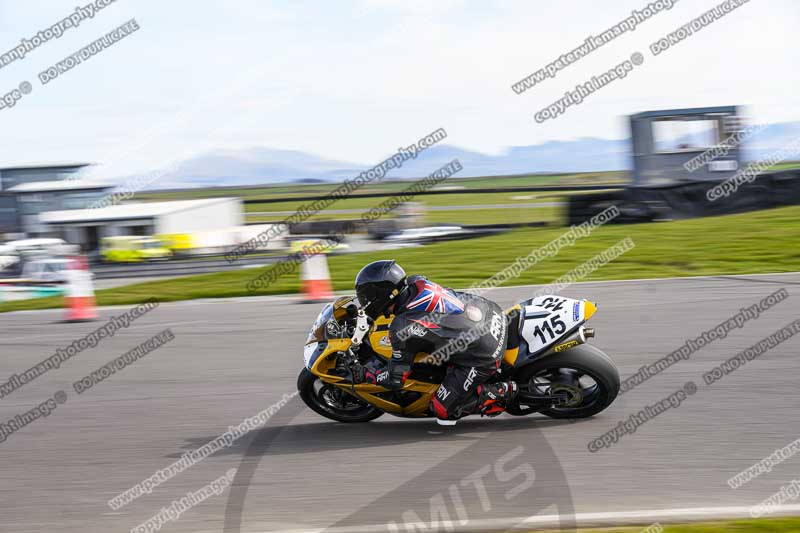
column 317, row 333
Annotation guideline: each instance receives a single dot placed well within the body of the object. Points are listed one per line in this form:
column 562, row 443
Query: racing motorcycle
column 547, row 355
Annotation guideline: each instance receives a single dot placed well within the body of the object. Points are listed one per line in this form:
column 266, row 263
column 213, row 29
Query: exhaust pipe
column 579, row 337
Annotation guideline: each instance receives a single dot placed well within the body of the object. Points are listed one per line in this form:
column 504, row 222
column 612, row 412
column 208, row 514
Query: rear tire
column 586, row 360
column 320, row 397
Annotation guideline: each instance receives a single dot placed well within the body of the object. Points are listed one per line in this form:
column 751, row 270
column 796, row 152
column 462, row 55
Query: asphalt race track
column 231, row 359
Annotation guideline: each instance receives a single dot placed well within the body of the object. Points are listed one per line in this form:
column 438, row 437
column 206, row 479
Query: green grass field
column 786, row 166
column 764, row 525
column 390, row 185
column 460, row 196
column 757, row 242
column 490, row 215
column 454, row 199
column 551, row 215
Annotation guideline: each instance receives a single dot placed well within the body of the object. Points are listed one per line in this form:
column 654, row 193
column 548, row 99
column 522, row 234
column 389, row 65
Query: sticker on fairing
column 308, row 353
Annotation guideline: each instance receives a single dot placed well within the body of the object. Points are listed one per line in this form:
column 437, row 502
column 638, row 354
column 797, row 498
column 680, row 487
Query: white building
column 27, row 190
column 87, row 226
column 37, row 197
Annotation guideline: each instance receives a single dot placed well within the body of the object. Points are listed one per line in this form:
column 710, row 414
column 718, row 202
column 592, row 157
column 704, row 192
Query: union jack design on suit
column 435, row 298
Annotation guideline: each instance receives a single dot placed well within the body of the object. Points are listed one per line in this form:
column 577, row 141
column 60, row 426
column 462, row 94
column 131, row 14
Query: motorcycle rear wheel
column 584, row 369
column 333, row 403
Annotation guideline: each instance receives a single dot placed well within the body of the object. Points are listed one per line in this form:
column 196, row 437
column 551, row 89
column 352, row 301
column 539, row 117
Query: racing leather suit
column 461, row 330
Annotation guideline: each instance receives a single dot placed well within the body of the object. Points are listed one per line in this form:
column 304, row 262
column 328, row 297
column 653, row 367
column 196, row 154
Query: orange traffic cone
column 80, row 293
column 316, row 279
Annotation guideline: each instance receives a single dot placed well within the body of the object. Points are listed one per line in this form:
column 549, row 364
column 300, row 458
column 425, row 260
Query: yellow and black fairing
column 514, row 318
column 324, row 344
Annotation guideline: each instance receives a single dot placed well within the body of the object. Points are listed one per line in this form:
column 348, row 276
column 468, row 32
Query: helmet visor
column 372, row 299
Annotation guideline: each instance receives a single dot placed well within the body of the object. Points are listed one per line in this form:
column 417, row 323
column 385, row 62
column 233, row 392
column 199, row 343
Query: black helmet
column 378, row 284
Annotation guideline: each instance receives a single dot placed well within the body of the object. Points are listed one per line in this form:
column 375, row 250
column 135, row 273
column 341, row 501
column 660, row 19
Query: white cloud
column 355, row 84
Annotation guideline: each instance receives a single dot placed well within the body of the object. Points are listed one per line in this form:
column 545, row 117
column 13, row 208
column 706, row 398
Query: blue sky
column 353, row 81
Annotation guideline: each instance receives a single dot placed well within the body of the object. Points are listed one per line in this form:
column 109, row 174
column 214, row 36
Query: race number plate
column 548, row 319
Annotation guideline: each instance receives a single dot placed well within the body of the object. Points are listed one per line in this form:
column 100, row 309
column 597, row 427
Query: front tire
column 586, row 370
column 333, row 403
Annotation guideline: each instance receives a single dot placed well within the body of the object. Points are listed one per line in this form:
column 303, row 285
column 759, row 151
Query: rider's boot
column 494, row 398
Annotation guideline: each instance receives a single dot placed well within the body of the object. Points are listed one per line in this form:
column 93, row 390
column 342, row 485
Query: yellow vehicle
column 133, row 249
column 178, row 243
column 323, row 245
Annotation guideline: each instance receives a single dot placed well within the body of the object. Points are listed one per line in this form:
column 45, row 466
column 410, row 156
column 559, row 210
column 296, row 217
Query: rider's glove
column 393, row 378
column 367, row 374
column 377, row 377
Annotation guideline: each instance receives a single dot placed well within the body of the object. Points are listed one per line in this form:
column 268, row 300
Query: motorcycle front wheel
column 332, row 402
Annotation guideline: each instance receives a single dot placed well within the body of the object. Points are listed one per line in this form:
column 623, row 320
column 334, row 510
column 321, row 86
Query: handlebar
column 361, row 329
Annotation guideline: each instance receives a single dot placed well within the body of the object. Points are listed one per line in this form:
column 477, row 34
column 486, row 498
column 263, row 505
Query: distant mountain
column 775, row 137
column 250, row 166
column 265, row 165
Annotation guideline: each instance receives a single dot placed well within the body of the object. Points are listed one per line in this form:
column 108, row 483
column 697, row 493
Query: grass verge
column 763, row 525
column 462, row 217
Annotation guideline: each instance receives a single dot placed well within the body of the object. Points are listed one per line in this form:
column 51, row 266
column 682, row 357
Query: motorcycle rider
column 463, row 330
